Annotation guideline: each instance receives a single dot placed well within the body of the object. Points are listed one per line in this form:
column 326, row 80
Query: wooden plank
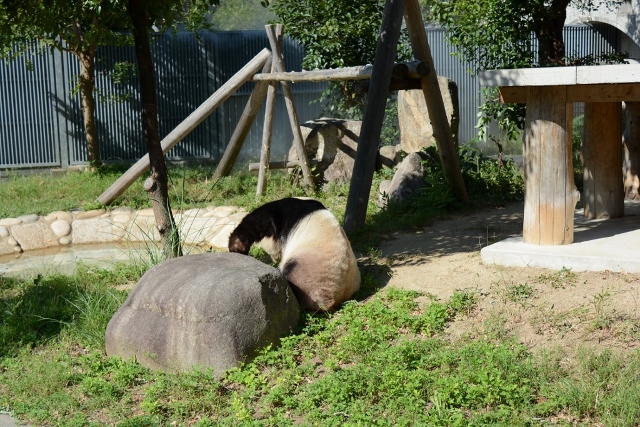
column 243, row 126
column 550, row 192
column 366, row 153
column 548, row 76
column 362, row 72
column 187, row 125
column 603, row 192
column 618, row 73
column 629, row 92
column 435, row 104
column 565, row 76
column 275, row 36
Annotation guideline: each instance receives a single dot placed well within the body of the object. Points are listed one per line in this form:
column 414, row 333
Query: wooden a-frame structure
column 383, row 78
column 365, row 160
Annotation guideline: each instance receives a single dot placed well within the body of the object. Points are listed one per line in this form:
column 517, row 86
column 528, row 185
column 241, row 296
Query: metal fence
column 41, row 118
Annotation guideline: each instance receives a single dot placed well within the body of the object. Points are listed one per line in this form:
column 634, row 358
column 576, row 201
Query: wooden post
column 244, row 126
column 298, row 143
column 365, row 160
column 187, row 125
column 550, row 192
column 268, row 116
column 435, row 104
column 602, row 158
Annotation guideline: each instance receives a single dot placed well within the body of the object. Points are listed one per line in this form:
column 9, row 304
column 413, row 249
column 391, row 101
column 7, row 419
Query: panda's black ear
column 239, row 245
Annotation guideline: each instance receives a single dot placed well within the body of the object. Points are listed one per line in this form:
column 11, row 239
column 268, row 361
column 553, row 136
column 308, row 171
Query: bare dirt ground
column 541, row 308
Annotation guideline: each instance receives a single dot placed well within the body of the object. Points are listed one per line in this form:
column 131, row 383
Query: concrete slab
column 600, row 244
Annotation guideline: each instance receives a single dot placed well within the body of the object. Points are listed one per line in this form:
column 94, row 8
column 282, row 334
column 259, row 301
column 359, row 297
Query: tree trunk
column 631, row 146
column 87, row 84
column 549, row 25
column 157, row 183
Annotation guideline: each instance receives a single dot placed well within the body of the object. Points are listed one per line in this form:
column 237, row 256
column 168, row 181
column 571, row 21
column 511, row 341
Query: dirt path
column 538, row 306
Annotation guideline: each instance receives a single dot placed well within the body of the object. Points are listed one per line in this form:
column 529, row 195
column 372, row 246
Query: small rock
column 61, row 228
column 64, row 241
column 121, row 218
column 89, row 214
column 66, row 216
column 27, row 219
column 11, row 241
column 407, row 180
column 4, row 231
column 8, row 222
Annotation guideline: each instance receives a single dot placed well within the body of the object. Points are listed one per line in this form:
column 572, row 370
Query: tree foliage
column 491, row 34
column 78, row 27
column 336, row 33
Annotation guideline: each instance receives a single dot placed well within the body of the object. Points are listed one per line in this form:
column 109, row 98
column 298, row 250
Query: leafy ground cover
column 398, row 354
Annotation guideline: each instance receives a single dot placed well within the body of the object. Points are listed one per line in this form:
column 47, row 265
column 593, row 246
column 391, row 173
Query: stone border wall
column 209, row 227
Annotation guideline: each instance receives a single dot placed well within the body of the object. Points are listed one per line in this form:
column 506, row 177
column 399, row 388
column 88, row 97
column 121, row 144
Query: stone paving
column 207, row 227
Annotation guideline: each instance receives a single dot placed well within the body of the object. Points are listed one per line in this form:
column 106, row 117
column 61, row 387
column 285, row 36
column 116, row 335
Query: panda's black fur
column 314, row 253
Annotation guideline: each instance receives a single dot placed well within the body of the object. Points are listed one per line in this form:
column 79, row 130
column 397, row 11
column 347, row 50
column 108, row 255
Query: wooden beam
column 435, row 104
column 366, row 153
column 243, row 126
column 363, row 72
column 187, row 125
column 581, row 93
column 275, row 36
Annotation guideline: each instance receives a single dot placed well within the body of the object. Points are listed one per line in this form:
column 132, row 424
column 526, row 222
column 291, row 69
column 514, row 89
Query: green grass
column 382, row 359
column 385, row 360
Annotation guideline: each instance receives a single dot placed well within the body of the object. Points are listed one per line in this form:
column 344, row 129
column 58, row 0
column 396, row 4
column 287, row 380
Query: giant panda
column 311, row 247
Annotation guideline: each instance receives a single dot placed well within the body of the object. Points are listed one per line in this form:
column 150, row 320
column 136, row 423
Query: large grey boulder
column 211, row 310
column 332, row 143
column 416, row 131
column 407, row 180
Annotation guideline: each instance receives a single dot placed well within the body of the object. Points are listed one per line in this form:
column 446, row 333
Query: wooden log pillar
column 275, row 38
column 366, row 153
column 550, row 192
column 435, row 105
column 602, row 158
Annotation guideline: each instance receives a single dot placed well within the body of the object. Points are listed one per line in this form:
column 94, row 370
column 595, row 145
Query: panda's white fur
column 314, row 254
column 317, row 258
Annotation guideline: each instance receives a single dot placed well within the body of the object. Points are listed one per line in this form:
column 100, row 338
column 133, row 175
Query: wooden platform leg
column 550, row 192
column 602, row 156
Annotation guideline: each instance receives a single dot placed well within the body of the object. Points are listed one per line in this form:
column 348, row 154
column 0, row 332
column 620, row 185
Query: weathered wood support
column 243, row 126
column 602, row 158
column 187, row 125
column 298, row 143
column 362, row 72
column 435, row 104
column 367, row 150
column 550, row 192
column 275, row 37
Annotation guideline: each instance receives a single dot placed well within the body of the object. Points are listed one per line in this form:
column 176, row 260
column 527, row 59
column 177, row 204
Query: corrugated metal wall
column 41, row 118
